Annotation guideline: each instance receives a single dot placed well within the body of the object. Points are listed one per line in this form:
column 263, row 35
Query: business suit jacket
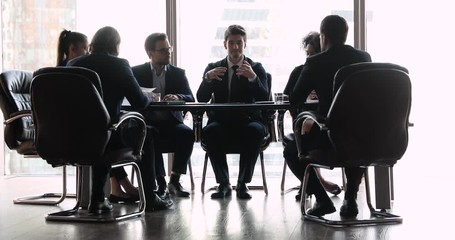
column 318, row 73
column 250, row 92
column 176, row 83
column 117, row 81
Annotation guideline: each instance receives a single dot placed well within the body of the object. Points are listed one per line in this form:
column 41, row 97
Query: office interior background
column 415, row 34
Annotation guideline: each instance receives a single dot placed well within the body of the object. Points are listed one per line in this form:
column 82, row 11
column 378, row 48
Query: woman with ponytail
column 70, row 45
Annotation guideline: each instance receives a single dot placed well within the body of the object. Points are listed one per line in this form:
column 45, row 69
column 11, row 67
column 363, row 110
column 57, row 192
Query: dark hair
column 152, row 39
column 335, row 28
column 65, row 40
column 105, row 40
column 312, row 39
column 235, row 30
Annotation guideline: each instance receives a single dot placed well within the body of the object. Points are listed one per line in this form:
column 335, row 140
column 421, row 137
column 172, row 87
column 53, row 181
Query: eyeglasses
column 164, row 50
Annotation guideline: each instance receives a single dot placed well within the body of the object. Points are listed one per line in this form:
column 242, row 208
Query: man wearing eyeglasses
column 172, row 84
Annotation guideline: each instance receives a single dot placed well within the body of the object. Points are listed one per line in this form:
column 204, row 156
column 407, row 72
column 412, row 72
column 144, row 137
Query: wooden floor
column 273, row 216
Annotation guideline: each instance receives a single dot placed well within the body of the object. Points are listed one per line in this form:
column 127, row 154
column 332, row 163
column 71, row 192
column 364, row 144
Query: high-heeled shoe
column 337, row 190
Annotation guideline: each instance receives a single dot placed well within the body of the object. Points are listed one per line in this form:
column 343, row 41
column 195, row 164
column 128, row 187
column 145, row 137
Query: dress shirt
column 159, row 82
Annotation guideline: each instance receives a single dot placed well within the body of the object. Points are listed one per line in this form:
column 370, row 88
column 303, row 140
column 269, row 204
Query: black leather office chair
column 73, row 127
column 269, row 118
column 367, row 125
column 19, row 131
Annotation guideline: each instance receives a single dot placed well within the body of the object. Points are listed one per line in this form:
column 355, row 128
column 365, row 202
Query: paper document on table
column 145, row 89
column 148, row 91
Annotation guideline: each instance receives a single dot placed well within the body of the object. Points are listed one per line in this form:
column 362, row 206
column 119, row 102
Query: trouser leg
column 183, row 137
column 354, row 177
column 291, row 157
column 147, row 164
column 214, row 139
column 99, row 176
column 252, row 136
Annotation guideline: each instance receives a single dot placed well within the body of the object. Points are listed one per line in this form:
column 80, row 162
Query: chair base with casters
column 376, row 216
column 254, row 187
column 41, row 199
column 80, row 213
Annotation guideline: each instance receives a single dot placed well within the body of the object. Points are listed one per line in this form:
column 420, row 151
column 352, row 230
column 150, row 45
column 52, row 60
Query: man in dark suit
column 172, row 83
column 318, row 73
column 235, row 78
column 118, row 82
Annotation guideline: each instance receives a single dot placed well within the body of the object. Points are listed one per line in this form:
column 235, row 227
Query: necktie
column 234, row 84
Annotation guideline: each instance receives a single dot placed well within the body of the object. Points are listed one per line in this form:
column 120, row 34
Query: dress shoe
column 242, row 191
column 349, row 208
column 322, row 208
column 175, row 188
column 96, row 207
column 155, row 203
column 223, row 190
column 129, row 199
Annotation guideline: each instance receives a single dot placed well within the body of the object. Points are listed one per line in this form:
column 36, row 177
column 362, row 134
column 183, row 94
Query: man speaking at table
column 234, row 79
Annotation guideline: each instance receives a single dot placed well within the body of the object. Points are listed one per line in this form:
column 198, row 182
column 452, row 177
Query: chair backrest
column 369, row 116
column 14, row 98
column 72, row 123
column 269, row 85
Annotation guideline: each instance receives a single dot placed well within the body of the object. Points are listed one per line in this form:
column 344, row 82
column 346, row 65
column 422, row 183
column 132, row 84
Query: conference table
column 197, row 110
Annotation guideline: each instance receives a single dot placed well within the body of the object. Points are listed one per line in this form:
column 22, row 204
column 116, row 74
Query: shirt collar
column 165, row 67
column 230, row 64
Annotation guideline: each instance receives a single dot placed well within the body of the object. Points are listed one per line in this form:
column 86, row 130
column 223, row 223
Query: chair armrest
column 269, row 117
column 280, row 124
column 138, row 119
column 319, row 119
column 18, row 115
column 126, row 115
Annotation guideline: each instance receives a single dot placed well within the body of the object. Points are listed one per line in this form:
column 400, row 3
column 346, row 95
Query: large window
column 29, row 37
column 275, row 30
column 30, row 30
column 134, row 19
column 419, row 36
